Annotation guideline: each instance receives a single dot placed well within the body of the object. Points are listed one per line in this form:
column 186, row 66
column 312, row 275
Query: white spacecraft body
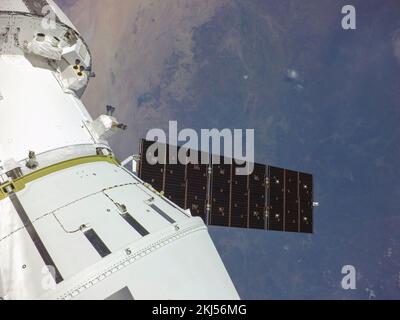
column 74, row 223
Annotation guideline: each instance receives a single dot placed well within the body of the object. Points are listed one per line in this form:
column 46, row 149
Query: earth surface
column 225, row 64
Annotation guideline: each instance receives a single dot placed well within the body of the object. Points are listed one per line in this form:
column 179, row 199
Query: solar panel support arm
column 134, row 160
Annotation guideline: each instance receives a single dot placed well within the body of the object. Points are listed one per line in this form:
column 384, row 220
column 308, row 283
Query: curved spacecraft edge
column 75, row 224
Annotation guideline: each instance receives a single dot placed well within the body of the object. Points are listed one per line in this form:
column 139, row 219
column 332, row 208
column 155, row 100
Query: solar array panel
column 220, row 195
column 239, row 201
column 275, row 198
column 175, row 181
column 153, row 174
column 196, row 189
column 306, row 202
column 257, row 200
column 269, row 198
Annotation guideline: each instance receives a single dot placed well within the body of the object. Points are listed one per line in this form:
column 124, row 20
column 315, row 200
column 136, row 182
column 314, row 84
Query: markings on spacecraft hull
column 162, row 213
column 35, row 237
column 53, row 212
column 97, row 243
column 135, row 224
column 135, row 256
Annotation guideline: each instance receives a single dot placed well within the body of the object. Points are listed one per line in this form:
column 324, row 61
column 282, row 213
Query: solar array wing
column 269, row 198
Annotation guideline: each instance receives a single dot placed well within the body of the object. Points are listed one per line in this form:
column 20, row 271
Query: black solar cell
column 153, row 174
column 196, row 190
column 220, row 194
column 291, row 202
column 257, row 206
column 239, row 200
column 175, row 183
column 306, row 202
column 276, row 199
